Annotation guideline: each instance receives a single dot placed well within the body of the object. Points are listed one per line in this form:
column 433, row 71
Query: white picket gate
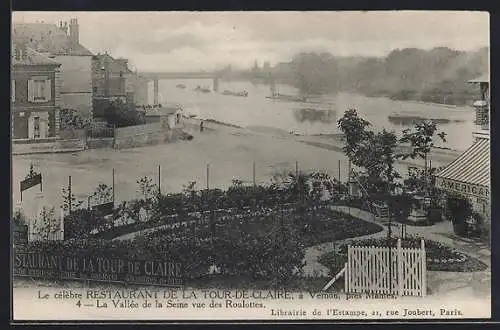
column 386, row 270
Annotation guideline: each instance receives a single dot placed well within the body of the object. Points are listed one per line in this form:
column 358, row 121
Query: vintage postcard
column 250, row 166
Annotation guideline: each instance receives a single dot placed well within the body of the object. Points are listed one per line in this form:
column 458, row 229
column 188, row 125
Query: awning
column 469, row 174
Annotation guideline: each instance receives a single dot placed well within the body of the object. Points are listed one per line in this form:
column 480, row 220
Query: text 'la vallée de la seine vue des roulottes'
column 246, row 299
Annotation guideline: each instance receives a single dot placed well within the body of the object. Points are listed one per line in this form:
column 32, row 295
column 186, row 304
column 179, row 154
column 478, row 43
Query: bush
column 82, row 222
column 19, row 219
column 122, row 114
column 71, row 119
column 434, row 215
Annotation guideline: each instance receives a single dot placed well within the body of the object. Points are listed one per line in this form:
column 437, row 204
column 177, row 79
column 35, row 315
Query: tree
column 147, row 188
column 421, row 140
column 374, row 152
column 122, row 114
column 46, row 224
column 315, row 73
column 189, row 190
column 69, row 202
column 103, row 194
column 355, row 132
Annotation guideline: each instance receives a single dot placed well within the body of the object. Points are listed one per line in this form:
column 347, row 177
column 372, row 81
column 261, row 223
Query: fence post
column 400, row 268
column 423, row 268
column 69, row 195
column 339, row 171
column 159, row 179
column 208, row 175
column 346, row 276
column 253, row 172
column 113, row 186
column 348, row 269
column 114, row 135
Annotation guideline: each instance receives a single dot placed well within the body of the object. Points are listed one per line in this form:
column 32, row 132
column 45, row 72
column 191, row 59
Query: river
column 257, row 112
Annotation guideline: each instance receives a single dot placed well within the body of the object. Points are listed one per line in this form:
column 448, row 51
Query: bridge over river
column 215, row 76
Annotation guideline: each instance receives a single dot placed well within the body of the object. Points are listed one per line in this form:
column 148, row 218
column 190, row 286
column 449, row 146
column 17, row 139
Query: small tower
column 74, row 31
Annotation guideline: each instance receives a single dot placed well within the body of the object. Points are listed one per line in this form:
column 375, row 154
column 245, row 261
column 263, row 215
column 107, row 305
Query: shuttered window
column 13, row 98
column 39, row 90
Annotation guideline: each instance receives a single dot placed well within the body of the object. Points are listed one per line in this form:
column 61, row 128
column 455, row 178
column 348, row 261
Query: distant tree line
column 439, row 75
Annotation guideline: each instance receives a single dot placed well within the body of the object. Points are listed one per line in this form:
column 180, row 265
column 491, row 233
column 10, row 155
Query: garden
column 247, row 234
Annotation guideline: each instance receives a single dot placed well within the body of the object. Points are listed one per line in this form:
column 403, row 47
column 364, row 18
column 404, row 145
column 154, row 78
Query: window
column 13, row 99
column 39, row 90
column 36, row 127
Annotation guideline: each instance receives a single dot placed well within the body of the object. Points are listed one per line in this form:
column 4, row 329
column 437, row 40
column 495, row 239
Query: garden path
column 442, row 283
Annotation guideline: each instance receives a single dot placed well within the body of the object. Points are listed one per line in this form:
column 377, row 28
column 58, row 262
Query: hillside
column 438, row 75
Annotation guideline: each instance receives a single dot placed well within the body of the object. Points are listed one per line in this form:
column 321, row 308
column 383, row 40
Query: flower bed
column 439, row 256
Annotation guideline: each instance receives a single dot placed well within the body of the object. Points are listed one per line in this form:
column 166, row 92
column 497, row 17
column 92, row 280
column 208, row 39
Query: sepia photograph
column 279, row 166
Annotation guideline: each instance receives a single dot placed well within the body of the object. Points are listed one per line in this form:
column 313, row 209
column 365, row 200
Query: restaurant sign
column 92, row 268
column 462, row 188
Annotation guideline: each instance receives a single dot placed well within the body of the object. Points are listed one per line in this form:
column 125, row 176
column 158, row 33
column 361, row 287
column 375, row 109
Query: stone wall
column 100, row 143
column 140, row 135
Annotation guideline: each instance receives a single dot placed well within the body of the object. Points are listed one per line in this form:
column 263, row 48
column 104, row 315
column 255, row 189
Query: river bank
column 228, row 152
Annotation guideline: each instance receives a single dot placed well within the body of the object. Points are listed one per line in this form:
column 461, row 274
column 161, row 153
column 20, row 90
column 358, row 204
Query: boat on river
column 228, row 92
column 285, row 97
column 276, row 96
column 203, row 90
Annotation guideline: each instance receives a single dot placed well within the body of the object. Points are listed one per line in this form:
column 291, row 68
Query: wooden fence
column 386, row 270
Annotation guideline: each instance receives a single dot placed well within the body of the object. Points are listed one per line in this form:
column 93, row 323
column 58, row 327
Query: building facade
column 62, row 44
column 469, row 174
column 113, row 79
column 35, row 95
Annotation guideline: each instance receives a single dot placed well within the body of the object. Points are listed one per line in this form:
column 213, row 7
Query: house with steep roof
column 62, row 44
column 469, row 175
column 113, row 79
column 34, row 96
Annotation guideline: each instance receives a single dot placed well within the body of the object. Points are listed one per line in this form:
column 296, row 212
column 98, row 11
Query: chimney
column 20, row 51
column 17, row 52
column 74, row 33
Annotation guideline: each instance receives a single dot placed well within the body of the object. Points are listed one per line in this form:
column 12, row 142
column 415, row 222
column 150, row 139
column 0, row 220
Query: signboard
column 93, row 268
column 31, row 180
column 462, row 188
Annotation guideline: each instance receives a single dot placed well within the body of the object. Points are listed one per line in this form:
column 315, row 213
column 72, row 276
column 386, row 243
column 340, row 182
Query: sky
column 190, row 41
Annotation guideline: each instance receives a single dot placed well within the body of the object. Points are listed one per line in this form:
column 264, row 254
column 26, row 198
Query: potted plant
column 459, row 209
column 434, row 210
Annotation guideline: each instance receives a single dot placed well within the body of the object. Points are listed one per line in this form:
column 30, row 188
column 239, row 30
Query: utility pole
column 253, row 171
column 208, row 175
column 159, row 179
column 69, row 195
column 339, row 170
column 113, row 186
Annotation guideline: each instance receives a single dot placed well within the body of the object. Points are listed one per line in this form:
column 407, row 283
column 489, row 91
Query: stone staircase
column 58, row 146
